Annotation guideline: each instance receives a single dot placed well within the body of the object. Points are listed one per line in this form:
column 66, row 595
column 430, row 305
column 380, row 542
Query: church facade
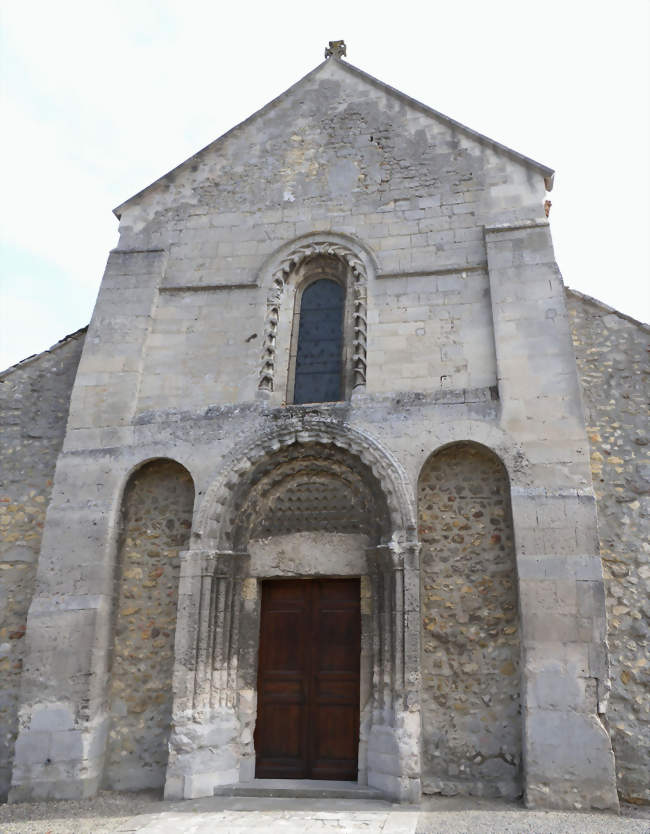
column 325, row 505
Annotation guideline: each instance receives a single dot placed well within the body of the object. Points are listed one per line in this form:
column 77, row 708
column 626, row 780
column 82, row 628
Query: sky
column 99, row 99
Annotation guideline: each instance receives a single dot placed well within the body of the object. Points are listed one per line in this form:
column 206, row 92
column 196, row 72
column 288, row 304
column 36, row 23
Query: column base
column 569, row 762
column 62, row 762
column 203, row 755
column 393, row 764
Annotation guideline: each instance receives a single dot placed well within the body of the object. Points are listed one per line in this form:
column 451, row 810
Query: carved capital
column 226, row 565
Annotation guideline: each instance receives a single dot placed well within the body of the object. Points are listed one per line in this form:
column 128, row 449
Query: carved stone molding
column 386, row 570
column 218, row 630
column 394, row 736
column 208, row 630
column 393, row 480
column 359, row 282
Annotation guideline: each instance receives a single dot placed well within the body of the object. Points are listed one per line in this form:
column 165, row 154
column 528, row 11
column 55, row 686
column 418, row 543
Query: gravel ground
column 110, row 812
column 456, row 815
column 106, row 812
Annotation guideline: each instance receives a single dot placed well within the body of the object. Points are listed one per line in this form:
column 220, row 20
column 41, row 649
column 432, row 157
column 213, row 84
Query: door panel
column 308, row 680
column 281, row 736
column 336, row 634
column 334, row 735
column 283, row 680
column 285, row 654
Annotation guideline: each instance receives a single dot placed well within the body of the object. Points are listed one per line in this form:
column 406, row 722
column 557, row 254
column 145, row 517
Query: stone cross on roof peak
column 336, row 49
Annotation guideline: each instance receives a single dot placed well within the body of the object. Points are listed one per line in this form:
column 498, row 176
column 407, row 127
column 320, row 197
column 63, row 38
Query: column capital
column 227, row 563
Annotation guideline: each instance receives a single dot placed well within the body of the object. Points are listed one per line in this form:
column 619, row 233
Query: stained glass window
column 320, row 343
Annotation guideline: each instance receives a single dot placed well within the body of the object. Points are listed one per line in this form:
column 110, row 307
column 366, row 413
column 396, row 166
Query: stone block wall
column 471, row 715
column 34, row 401
column 336, row 156
column 156, row 523
column 431, row 331
column 612, row 357
column 434, row 217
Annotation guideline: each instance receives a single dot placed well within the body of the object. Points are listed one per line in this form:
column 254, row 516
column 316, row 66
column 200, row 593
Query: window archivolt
column 304, row 266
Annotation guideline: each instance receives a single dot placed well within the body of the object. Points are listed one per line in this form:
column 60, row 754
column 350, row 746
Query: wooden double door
column 308, row 680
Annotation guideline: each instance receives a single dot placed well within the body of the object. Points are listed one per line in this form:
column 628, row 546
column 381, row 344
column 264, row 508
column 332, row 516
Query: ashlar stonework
column 457, row 479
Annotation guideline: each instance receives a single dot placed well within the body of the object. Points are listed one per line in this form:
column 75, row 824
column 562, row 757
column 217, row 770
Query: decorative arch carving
column 279, row 275
column 307, row 487
column 216, row 506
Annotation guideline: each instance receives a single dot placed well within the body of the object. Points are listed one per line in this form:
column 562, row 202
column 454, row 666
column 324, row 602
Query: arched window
column 320, row 345
column 290, row 278
column 318, row 375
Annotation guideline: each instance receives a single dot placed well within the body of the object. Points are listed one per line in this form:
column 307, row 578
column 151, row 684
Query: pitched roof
column 544, row 170
column 606, row 308
column 71, row 337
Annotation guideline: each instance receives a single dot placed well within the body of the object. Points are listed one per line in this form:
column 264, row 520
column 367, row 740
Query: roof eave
column 607, row 308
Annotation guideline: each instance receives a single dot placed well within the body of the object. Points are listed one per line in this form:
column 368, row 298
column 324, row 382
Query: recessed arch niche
column 471, row 715
column 155, row 525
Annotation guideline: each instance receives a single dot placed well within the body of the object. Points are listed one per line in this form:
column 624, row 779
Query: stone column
column 204, row 746
column 394, row 737
column 568, row 759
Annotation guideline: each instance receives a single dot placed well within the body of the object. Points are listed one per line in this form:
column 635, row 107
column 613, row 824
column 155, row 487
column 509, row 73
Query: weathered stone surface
column 309, row 554
column 612, row 356
column 309, row 487
column 455, row 331
column 34, row 401
column 471, row 714
column 157, row 518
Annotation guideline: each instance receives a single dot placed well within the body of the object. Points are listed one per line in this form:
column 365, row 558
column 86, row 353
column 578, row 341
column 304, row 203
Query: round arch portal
column 338, row 488
column 215, row 513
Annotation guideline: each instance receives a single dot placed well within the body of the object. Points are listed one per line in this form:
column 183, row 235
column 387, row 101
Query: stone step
column 300, row 788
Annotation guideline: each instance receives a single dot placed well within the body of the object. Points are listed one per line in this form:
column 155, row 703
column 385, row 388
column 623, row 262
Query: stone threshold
column 300, row 789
